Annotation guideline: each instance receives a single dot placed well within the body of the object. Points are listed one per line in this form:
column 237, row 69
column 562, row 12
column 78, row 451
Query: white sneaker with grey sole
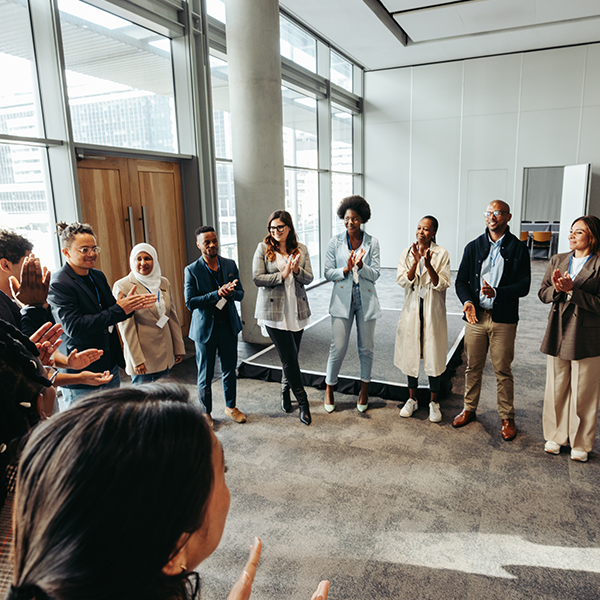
column 435, row 414
column 409, row 408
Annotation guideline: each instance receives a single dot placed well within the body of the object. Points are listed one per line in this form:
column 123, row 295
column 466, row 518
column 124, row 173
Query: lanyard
column 359, row 241
column 493, row 258
column 571, row 262
column 212, row 273
column 149, row 291
column 95, row 287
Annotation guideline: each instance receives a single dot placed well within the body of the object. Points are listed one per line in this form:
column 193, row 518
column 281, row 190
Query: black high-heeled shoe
column 286, row 400
column 304, row 408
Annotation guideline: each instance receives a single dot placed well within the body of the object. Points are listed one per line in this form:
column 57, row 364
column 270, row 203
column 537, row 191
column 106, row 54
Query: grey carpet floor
column 386, row 507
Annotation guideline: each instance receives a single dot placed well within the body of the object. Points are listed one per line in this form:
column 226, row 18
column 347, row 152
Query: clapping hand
column 414, row 250
column 96, row 379
column 80, row 360
column 350, row 264
column 295, row 263
column 427, row 258
column 32, row 290
column 243, row 587
column 47, row 341
column 227, row 289
column 470, row 313
column 359, row 257
column 487, row 290
column 133, row 302
column 562, row 283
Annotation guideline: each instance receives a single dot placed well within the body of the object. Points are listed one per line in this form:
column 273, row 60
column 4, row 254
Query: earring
column 183, row 568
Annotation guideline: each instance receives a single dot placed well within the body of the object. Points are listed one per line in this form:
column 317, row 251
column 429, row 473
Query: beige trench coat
column 410, row 348
column 143, row 341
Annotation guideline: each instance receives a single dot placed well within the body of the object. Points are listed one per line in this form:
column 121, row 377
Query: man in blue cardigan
column 494, row 273
column 212, row 286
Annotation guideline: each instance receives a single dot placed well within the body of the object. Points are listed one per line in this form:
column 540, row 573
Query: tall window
column 119, row 80
column 341, row 161
column 301, row 160
column 24, row 205
column 223, row 153
column 297, row 44
column 341, row 71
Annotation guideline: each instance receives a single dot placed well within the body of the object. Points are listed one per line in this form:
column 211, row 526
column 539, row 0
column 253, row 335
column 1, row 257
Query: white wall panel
column 435, row 177
column 553, row 78
column 387, row 96
column 492, row 85
column 437, row 91
column 591, row 94
column 387, row 159
column 476, row 125
column 548, row 138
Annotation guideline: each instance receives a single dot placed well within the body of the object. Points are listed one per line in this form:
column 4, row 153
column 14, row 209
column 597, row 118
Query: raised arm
column 370, row 269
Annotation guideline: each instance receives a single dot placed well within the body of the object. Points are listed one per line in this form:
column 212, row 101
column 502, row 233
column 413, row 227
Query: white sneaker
column 435, row 414
column 552, row 447
column 579, row 455
column 409, row 408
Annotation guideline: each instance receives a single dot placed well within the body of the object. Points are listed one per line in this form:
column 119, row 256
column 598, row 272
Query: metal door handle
column 131, row 225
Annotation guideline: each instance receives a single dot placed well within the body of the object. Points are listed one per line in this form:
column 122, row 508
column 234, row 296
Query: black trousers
column 287, row 344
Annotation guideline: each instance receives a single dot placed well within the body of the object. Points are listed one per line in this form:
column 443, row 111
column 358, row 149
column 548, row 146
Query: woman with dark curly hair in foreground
column 352, row 263
column 120, row 498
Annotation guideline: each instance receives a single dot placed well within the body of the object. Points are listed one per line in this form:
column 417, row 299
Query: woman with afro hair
column 352, row 263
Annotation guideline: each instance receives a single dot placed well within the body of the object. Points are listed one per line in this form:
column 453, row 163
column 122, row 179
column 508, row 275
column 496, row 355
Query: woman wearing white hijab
column 152, row 337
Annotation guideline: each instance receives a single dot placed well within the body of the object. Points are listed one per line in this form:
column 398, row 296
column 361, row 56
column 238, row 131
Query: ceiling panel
column 397, row 5
column 457, row 31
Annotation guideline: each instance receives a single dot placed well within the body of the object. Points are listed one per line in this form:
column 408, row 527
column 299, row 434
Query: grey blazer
column 271, row 291
column 573, row 330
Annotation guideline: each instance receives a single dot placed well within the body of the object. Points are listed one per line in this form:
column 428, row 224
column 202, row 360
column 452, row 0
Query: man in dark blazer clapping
column 212, row 286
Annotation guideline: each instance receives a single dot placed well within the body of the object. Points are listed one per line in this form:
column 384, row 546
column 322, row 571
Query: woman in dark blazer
column 281, row 268
column 572, row 342
column 82, row 302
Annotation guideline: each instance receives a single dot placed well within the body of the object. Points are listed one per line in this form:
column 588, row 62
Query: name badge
column 162, row 321
column 221, row 303
column 423, row 292
column 111, row 328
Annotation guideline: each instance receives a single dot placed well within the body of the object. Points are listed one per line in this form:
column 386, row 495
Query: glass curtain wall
column 24, row 176
column 341, row 161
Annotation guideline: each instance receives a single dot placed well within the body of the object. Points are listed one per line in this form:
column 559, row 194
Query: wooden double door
column 129, row 201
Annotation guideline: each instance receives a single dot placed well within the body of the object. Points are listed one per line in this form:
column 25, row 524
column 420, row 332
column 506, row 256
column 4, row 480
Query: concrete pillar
column 256, row 122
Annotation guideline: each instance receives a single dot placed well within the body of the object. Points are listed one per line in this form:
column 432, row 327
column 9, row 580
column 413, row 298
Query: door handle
column 131, row 225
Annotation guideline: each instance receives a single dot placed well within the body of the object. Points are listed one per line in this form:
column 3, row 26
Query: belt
column 487, row 311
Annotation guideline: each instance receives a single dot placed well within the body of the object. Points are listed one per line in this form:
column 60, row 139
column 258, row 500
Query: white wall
column 448, row 138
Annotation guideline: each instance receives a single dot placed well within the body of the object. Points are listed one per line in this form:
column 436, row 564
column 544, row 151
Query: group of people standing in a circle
column 494, row 273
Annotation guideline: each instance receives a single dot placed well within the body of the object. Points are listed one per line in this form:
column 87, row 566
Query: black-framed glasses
column 85, row 250
column 277, row 228
column 352, row 219
column 497, row 213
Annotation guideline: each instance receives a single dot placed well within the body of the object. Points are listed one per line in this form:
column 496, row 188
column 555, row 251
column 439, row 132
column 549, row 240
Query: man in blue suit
column 211, row 288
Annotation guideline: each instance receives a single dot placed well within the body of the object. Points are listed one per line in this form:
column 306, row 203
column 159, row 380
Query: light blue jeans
column 340, row 334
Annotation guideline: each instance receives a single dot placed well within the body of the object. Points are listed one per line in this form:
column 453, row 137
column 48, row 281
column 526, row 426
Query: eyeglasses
column 85, row 250
column 352, row 219
column 497, row 213
column 277, row 228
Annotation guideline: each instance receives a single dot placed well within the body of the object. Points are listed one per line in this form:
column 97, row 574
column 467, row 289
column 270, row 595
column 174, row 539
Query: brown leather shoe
column 466, row 416
column 236, row 414
column 509, row 429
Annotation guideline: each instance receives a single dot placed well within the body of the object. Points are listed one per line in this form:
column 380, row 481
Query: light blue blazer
column 341, row 296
